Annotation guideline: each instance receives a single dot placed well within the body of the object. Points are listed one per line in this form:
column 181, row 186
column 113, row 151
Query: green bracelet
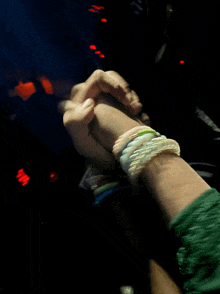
column 142, row 132
column 106, row 187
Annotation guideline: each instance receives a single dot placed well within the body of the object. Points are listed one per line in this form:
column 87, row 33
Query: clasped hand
column 94, row 121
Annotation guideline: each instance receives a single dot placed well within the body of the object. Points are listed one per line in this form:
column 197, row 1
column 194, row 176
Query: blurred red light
column 25, row 90
column 102, row 56
column 97, row 52
column 22, row 177
column 53, row 176
column 96, row 7
column 12, row 117
column 103, row 20
column 92, row 47
column 48, row 88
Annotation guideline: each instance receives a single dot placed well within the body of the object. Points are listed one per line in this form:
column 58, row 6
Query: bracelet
column 134, row 151
column 146, row 134
column 99, row 198
column 106, row 187
column 127, row 135
column 142, row 135
column 147, row 153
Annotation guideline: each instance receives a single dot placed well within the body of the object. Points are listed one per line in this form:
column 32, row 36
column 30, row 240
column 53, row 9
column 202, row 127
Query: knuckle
column 118, row 87
column 75, row 89
column 98, row 71
column 63, row 106
column 97, row 74
column 68, row 120
column 60, row 107
column 111, row 72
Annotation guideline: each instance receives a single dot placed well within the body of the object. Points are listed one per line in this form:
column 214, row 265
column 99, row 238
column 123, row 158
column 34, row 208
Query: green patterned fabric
column 197, row 228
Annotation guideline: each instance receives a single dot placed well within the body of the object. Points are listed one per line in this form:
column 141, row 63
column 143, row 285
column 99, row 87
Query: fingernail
column 137, row 106
column 88, row 102
column 129, row 97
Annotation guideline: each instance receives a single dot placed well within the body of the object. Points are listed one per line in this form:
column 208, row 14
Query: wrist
column 108, row 133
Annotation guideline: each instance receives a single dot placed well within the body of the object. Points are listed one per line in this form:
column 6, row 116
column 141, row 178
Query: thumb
column 76, row 114
column 88, row 102
column 88, row 110
column 76, row 120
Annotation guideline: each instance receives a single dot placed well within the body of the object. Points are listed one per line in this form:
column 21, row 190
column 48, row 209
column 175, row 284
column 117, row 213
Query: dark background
column 52, row 38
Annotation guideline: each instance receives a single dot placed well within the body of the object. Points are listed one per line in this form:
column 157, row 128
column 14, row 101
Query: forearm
column 173, row 183
column 161, row 282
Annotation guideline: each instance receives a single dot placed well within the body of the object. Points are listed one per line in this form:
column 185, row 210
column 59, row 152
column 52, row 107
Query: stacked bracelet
column 149, row 151
column 131, row 134
column 141, row 133
column 132, row 149
column 135, row 149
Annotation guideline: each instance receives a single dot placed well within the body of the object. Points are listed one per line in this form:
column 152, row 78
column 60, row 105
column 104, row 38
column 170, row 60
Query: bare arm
column 161, row 282
column 170, row 179
column 173, row 183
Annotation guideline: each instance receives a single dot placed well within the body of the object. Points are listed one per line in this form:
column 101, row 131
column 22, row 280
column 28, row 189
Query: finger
column 101, row 81
column 136, row 107
column 132, row 101
column 136, row 104
column 120, row 80
column 104, row 83
column 134, row 96
column 130, row 94
column 76, row 120
column 64, row 105
column 75, row 89
column 146, row 119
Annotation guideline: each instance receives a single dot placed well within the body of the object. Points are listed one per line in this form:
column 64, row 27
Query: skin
column 160, row 280
column 83, row 122
column 108, row 123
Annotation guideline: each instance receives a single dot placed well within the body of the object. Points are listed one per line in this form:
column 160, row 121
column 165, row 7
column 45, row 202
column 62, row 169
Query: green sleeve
column 197, row 231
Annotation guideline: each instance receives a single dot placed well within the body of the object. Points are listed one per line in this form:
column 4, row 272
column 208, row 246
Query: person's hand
column 86, row 123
